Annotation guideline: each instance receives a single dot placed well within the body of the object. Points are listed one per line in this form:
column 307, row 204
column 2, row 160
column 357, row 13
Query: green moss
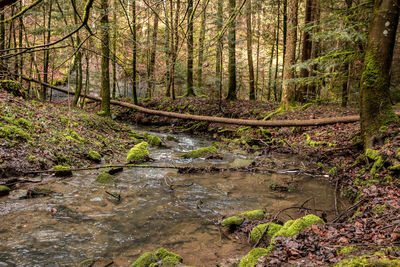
column 230, row 221
column 333, row 171
column 317, row 143
column 13, row 133
column 395, row 168
column 254, row 214
column 62, row 171
column 135, row 135
column 367, row 260
column 342, row 251
column 169, row 261
column 144, row 260
column 257, row 231
column 372, row 154
column 379, row 209
column 292, row 228
column 163, row 254
column 105, row 178
column 94, row 155
column 251, row 259
column 154, row 140
column 171, row 138
column 32, row 159
column 321, row 165
column 378, row 164
column 4, row 190
column 75, row 136
column 138, row 153
column 200, row 152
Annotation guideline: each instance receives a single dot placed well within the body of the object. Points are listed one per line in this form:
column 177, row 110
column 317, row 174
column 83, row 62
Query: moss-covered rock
column 105, row 178
column 257, row 231
column 153, row 140
column 231, row 221
column 62, row 171
column 138, row 153
column 94, row 156
column 144, row 260
column 4, row 190
column 254, row 214
column 372, row 154
column 200, row 152
column 292, row 228
column 251, row 259
column 162, row 253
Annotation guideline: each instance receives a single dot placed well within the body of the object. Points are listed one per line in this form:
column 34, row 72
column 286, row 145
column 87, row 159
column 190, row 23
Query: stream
column 82, row 221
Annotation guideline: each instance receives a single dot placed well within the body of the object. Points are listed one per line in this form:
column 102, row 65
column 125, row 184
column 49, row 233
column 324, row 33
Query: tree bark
column 105, row 109
column 114, row 55
column 189, row 73
column 376, row 109
column 218, row 59
column 202, row 37
column 150, row 74
column 252, row 94
column 134, row 54
column 305, row 51
column 288, row 88
column 232, row 53
column 277, row 51
column 43, row 93
column 78, row 61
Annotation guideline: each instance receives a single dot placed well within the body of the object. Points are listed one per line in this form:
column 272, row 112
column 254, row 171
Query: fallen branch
column 271, row 123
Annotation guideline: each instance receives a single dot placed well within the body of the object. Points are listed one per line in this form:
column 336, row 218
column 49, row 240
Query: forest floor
column 38, row 136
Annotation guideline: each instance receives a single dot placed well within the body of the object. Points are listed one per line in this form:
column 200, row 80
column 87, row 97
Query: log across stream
column 83, row 221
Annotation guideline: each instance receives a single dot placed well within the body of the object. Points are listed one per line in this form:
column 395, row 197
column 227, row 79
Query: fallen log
column 270, row 123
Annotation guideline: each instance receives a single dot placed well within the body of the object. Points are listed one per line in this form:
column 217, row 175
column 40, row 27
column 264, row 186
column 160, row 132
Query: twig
column 347, row 210
column 118, row 196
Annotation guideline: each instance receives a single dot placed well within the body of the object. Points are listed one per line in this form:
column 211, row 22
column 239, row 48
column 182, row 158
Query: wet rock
column 62, row 171
column 94, row 156
column 18, row 194
column 114, row 170
column 238, row 163
column 279, row 187
column 4, row 190
column 105, row 178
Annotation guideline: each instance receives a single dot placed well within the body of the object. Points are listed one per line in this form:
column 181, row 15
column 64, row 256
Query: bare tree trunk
column 150, row 74
column 167, row 51
column 288, row 88
column 46, row 54
column 202, row 37
column 305, row 51
column 252, row 92
column 134, row 55
column 271, row 59
column 311, row 91
column 277, row 52
column 114, row 56
column 218, row 63
column 258, row 55
column 105, row 109
column 232, row 53
column 78, row 61
column 189, row 73
column 376, row 109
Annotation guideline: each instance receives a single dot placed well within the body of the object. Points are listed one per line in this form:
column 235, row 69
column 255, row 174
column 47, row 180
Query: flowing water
column 83, row 221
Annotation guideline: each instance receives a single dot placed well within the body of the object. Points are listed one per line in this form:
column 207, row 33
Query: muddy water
column 84, row 221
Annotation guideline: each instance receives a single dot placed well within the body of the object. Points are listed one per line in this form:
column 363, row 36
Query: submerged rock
column 138, row 153
column 114, row 170
column 4, row 190
column 200, row 152
column 105, row 178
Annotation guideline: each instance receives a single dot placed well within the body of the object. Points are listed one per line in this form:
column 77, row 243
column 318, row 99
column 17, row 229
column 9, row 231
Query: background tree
column 232, row 52
column 105, row 62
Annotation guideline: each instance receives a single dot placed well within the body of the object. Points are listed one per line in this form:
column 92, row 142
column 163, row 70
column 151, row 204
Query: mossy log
column 271, row 123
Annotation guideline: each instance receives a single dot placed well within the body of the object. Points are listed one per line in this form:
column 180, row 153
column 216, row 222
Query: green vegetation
column 251, row 259
column 291, row 228
column 62, row 171
column 4, row 190
column 257, row 231
column 105, row 178
column 367, row 260
column 233, row 220
column 95, row 156
column 200, row 152
column 346, row 250
column 254, row 214
column 139, row 153
column 162, row 255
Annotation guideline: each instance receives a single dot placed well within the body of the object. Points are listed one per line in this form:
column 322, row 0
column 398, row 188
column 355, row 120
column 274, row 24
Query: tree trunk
column 346, row 69
column 150, row 74
column 105, row 62
column 43, row 93
column 114, row 55
column 258, row 55
column 189, row 74
column 284, row 33
column 271, row 59
column 277, row 52
column 311, row 91
column 376, row 109
column 78, row 61
column 252, row 94
column 167, row 51
column 232, row 53
column 134, row 54
column 288, row 88
column 218, row 59
column 305, row 52
column 202, row 37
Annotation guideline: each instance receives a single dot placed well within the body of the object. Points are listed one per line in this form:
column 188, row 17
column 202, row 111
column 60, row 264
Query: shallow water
column 86, row 222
